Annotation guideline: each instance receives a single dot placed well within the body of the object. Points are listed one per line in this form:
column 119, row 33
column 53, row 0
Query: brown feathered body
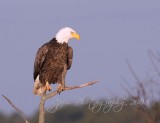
column 50, row 61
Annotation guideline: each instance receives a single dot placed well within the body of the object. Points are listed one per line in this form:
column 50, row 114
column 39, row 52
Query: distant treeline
column 99, row 111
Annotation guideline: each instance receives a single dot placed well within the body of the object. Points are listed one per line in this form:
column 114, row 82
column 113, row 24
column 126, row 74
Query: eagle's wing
column 69, row 57
column 40, row 57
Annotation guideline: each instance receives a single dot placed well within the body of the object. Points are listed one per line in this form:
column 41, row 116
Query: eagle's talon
column 59, row 91
column 48, row 87
column 60, row 88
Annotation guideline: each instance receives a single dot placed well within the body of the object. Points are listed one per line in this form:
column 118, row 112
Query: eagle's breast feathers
column 50, row 59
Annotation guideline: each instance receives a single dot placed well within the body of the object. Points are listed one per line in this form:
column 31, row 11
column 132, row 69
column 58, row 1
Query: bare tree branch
column 141, row 91
column 140, row 84
column 17, row 109
column 41, row 109
column 45, row 96
column 133, row 73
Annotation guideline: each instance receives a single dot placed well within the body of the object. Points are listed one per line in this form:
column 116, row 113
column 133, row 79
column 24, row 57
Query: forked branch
column 44, row 97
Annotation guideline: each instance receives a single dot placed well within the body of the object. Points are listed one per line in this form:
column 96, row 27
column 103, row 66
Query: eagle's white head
column 65, row 34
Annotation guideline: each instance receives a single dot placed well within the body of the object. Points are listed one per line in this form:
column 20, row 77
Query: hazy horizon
column 111, row 32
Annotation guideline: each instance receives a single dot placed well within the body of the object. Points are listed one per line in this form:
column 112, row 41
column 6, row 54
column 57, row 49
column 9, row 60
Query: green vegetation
column 94, row 112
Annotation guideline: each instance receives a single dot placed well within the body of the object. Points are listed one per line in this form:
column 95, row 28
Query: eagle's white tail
column 38, row 88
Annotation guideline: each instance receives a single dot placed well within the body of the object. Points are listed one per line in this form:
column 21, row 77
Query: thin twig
column 140, row 84
column 142, row 109
column 151, row 56
column 17, row 109
column 132, row 72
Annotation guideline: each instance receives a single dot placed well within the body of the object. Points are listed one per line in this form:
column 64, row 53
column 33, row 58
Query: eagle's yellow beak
column 75, row 35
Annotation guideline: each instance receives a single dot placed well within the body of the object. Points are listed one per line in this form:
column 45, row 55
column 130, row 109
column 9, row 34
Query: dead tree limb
column 140, row 84
column 47, row 96
column 17, row 109
column 41, row 109
column 44, row 97
column 141, row 92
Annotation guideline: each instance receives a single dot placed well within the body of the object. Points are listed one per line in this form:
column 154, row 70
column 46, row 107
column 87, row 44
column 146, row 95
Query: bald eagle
column 53, row 60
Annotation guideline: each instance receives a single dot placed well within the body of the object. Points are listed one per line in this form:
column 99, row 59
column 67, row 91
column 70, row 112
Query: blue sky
column 111, row 32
